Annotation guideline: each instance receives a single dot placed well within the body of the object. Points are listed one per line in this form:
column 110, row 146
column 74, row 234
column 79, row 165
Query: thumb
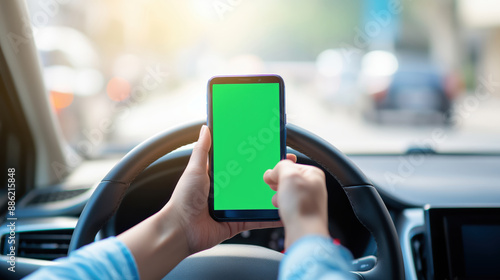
column 199, row 157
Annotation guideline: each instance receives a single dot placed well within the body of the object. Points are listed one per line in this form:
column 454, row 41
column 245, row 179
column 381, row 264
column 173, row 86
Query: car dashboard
column 417, row 186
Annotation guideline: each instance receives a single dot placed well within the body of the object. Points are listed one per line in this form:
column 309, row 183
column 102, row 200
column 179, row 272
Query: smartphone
column 246, row 117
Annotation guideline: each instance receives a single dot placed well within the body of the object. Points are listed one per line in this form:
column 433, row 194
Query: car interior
column 398, row 102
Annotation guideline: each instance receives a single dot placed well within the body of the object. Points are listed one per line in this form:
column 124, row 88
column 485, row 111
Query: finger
column 268, row 179
column 258, row 225
column 199, row 157
column 291, row 157
column 272, row 177
column 282, row 167
column 274, row 200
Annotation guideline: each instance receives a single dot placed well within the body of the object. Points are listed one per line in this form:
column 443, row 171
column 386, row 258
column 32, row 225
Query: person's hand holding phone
column 183, row 226
column 301, row 197
column 189, row 203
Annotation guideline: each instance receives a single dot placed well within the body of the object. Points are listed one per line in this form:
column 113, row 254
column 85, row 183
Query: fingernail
column 202, row 130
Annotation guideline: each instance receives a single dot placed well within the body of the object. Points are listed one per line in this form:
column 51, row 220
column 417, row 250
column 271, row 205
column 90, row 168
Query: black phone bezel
column 244, row 215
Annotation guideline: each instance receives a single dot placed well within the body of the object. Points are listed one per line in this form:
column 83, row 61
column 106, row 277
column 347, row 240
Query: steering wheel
column 233, row 261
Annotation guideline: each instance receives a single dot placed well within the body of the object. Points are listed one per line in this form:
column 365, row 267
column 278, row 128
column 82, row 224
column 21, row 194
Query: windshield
column 368, row 76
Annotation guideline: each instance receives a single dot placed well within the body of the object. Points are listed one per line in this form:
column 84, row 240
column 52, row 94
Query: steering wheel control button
column 364, row 264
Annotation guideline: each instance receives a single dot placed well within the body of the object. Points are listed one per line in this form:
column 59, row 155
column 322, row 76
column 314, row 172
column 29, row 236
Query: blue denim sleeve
column 106, row 259
column 316, row 257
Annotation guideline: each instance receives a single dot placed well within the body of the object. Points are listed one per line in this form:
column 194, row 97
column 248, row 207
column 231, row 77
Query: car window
column 368, row 76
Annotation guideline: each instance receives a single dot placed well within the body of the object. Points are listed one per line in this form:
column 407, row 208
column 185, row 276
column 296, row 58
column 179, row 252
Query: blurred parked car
column 417, row 92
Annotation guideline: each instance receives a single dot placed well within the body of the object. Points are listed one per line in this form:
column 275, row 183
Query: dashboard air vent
column 44, row 245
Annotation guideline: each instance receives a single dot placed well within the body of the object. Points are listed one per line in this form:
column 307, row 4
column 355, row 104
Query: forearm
column 158, row 244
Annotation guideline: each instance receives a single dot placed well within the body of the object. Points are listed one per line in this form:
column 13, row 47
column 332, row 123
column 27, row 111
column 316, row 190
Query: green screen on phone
column 246, row 142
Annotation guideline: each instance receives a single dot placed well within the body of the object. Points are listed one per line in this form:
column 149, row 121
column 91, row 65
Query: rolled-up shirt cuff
column 106, row 259
column 316, row 257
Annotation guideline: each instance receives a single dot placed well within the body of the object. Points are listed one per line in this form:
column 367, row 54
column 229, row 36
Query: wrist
column 169, row 228
column 158, row 244
column 303, row 227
